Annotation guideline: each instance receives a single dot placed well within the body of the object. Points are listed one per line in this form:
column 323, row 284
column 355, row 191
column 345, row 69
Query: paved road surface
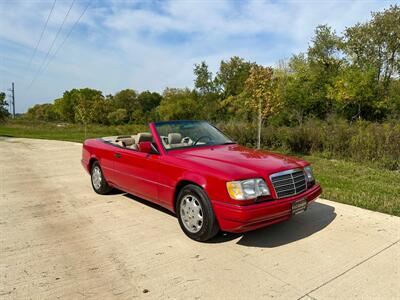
column 58, row 239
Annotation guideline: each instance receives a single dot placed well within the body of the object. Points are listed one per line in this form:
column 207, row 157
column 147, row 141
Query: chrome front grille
column 289, row 183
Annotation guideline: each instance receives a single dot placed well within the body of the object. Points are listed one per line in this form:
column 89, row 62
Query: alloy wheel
column 191, row 213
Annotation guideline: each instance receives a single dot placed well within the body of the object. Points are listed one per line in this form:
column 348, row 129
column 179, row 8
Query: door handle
column 117, row 155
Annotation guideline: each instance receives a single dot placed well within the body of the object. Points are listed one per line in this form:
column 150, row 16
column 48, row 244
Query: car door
column 137, row 172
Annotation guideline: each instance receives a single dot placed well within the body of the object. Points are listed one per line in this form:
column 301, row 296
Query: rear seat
column 127, row 142
column 132, row 142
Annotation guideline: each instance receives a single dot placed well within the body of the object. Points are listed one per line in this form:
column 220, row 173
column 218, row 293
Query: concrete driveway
column 58, row 239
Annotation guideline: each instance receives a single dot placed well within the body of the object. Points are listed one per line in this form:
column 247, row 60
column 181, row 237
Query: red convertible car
column 210, row 182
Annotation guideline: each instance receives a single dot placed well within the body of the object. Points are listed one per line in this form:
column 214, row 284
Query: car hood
column 241, row 162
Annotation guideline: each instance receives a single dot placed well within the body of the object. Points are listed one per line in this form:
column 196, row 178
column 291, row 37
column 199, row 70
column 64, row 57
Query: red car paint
column 157, row 178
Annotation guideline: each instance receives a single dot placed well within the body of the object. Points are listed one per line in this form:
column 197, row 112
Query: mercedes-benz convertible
column 210, row 182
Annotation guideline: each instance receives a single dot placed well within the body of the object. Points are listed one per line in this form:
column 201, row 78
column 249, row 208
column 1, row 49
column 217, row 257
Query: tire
column 99, row 183
column 195, row 214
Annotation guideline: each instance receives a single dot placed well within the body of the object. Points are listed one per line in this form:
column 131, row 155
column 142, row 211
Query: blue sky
column 152, row 44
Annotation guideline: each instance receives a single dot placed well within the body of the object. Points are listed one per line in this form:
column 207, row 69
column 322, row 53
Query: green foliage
column 232, row 76
column 178, row 104
column 353, row 76
column 354, row 87
column 204, row 81
column 376, row 43
column 261, row 90
column 77, row 105
column 366, row 142
column 118, row 116
column 126, row 99
column 63, row 131
column 145, row 111
column 43, row 112
column 3, row 110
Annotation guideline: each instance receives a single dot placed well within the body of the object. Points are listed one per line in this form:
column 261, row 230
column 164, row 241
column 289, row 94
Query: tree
column 126, row 99
column 204, row 81
column 66, row 106
column 42, row 112
column 179, row 104
column 376, row 44
column 118, row 116
column 232, row 76
column 263, row 97
column 354, row 87
column 145, row 109
column 325, row 48
column 324, row 63
column 208, row 91
column 84, row 111
column 3, row 107
column 101, row 108
column 149, row 100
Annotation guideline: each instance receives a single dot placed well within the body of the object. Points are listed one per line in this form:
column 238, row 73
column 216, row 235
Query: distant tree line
column 354, row 75
column 3, row 108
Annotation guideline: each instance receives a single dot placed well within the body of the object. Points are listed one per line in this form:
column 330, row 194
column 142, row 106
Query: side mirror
column 146, row 147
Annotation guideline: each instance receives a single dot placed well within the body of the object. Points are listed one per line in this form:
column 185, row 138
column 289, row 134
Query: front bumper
column 237, row 218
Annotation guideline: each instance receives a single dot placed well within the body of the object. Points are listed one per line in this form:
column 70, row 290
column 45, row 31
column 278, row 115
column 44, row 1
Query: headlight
column 247, row 189
column 309, row 173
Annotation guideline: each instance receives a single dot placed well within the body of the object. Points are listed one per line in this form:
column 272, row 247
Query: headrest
column 174, row 138
column 127, row 141
column 143, row 137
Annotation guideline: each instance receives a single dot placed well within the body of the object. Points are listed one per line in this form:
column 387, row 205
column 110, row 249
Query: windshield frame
column 230, row 140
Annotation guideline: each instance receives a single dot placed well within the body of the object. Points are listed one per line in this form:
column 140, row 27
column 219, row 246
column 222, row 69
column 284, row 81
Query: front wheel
column 195, row 214
column 99, row 183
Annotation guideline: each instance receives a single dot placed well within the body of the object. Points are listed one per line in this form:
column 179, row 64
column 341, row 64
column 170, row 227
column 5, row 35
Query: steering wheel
column 200, row 138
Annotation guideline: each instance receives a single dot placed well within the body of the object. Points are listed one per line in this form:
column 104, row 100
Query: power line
column 41, row 35
column 67, row 36
column 51, row 46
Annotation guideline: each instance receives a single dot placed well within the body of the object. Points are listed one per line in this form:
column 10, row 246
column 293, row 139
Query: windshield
column 188, row 134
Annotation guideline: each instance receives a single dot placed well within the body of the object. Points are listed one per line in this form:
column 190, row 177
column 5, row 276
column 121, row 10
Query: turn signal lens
column 235, row 190
column 247, row 189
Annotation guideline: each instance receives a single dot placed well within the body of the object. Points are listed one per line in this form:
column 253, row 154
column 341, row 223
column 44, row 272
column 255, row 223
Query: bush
column 361, row 141
column 117, row 117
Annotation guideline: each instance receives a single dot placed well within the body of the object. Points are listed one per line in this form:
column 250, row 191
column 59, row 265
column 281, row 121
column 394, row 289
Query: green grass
column 342, row 181
column 358, row 184
column 70, row 132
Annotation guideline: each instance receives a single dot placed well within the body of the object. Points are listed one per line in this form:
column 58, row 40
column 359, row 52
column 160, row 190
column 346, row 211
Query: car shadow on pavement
column 316, row 218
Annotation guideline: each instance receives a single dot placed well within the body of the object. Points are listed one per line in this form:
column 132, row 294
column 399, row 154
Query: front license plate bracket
column 299, row 206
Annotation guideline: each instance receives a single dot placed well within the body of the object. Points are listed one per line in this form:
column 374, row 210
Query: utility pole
column 13, row 99
column 12, row 90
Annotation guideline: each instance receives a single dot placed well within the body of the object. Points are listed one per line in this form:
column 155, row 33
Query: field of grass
column 358, row 184
column 342, row 181
column 64, row 132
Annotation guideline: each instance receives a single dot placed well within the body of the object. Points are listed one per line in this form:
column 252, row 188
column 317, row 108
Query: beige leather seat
column 132, row 142
column 143, row 137
column 126, row 142
column 175, row 140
